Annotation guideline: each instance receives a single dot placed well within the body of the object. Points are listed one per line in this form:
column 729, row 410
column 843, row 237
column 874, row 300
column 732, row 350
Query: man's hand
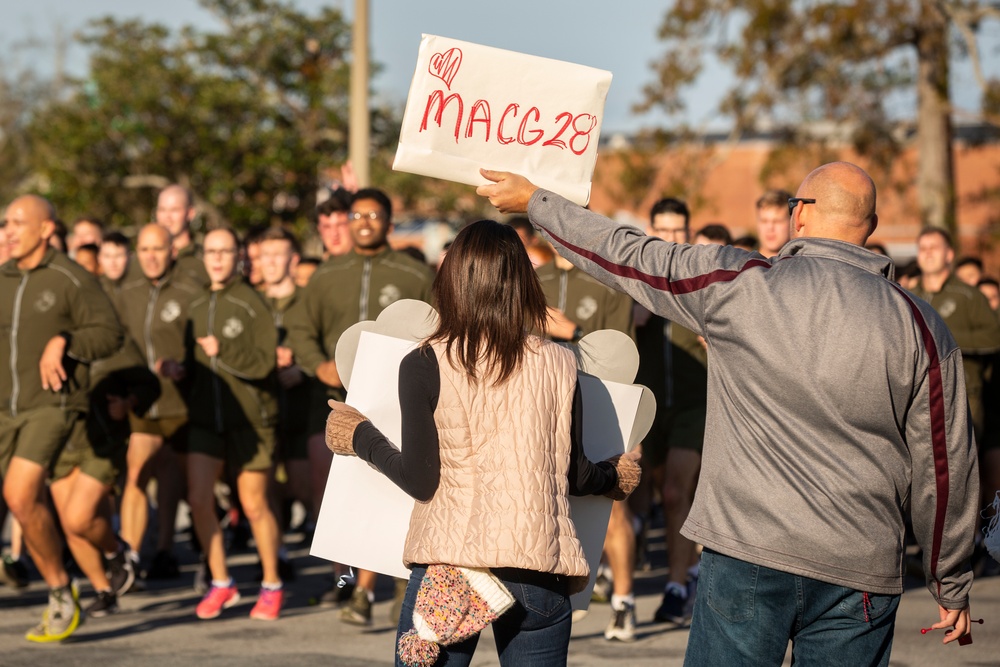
column 328, row 375
column 953, row 618
column 50, row 365
column 509, row 192
column 290, row 377
column 170, row 369
column 284, row 356
column 210, row 345
column 557, row 325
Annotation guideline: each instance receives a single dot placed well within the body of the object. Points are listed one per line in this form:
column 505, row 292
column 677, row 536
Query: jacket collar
column 10, row 266
column 842, row 250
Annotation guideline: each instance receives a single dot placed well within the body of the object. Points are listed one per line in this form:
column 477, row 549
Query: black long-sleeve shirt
column 417, row 468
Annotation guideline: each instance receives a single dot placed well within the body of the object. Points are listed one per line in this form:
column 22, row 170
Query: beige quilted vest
column 502, row 499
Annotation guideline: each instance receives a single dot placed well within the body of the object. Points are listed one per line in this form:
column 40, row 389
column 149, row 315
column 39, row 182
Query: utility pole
column 359, row 142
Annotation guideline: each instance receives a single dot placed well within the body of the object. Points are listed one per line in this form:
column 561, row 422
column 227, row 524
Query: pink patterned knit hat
column 453, row 604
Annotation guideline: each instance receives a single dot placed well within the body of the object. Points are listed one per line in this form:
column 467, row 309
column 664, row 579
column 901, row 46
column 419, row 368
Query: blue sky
column 619, row 37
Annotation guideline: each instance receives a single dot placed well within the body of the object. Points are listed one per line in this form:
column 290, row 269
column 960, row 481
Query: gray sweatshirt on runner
column 836, row 402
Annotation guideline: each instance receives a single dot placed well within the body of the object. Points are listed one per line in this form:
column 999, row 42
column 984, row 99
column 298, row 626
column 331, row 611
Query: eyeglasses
column 370, row 215
column 794, row 201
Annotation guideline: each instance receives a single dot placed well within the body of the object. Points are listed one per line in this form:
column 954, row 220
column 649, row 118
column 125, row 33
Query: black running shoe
column 671, row 609
column 13, row 573
column 121, row 571
column 105, row 603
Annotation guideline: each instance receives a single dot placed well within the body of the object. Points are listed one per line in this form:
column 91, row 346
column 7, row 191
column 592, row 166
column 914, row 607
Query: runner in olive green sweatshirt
column 343, row 291
column 55, row 320
column 231, row 341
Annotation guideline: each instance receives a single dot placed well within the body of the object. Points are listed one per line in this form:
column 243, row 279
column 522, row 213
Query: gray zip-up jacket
column 835, row 402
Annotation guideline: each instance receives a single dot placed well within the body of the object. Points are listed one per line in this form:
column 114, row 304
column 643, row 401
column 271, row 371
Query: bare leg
column 681, row 477
column 252, row 487
column 619, row 547
column 24, row 490
column 203, row 471
column 78, row 499
column 169, row 466
column 142, row 447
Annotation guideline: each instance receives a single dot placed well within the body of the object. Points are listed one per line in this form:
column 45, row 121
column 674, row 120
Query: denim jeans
column 745, row 614
column 533, row 633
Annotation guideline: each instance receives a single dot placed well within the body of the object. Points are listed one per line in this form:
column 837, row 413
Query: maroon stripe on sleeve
column 939, row 441
column 683, row 286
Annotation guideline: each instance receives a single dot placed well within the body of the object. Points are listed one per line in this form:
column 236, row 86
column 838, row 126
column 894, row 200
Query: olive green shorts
column 244, row 449
column 37, row 435
column 674, row 428
column 103, row 462
column 173, row 430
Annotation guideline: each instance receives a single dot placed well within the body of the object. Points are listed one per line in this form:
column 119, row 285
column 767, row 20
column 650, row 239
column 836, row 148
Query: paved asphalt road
column 158, row 627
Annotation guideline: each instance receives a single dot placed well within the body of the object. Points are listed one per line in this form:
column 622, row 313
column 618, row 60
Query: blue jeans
column 533, row 633
column 745, row 614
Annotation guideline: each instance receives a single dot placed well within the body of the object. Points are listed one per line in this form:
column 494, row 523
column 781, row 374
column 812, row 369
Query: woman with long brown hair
column 491, row 429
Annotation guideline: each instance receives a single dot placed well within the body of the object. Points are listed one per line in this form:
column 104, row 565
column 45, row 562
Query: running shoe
column 217, row 599
column 105, row 603
column 359, row 610
column 602, row 588
column 61, row 618
column 13, row 573
column 268, row 606
column 671, row 609
column 622, row 624
column 121, row 571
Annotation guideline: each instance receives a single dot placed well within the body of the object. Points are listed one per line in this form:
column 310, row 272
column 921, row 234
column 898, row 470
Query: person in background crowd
column 748, row 243
column 969, row 270
column 329, row 305
column 85, row 474
column 113, row 260
column 672, row 364
column 990, row 288
column 714, row 233
column 304, row 270
column 963, row 308
column 86, row 230
column 59, row 235
column 590, row 306
column 877, row 248
column 86, row 256
column 773, row 222
column 57, row 321
column 175, row 211
column 279, row 255
column 153, row 307
column 333, row 225
column 231, row 342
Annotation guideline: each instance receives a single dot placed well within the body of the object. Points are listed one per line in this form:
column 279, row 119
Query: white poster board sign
column 473, row 106
column 364, row 517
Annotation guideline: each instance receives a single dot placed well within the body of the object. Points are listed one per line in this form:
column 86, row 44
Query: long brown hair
column 489, row 300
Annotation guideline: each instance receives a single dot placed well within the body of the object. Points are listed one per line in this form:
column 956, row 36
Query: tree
column 247, row 115
column 821, row 71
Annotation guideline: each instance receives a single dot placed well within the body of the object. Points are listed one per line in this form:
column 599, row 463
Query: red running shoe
column 268, row 606
column 217, row 599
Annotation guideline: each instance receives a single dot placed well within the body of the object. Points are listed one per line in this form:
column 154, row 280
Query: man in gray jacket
column 836, row 402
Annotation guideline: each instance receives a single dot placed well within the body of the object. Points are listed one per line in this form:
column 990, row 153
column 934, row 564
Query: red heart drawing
column 445, row 65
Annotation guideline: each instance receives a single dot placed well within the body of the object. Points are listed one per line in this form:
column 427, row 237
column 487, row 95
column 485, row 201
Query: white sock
column 618, row 602
column 222, row 583
column 272, row 587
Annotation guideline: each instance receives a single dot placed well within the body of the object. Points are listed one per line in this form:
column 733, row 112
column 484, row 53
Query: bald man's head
column 154, row 251
column 844, row 207
column 175, row 209
column 29, row 224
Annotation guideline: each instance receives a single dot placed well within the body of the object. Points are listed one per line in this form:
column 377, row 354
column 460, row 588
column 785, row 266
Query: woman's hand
column 340, row 427
column 629, row 474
